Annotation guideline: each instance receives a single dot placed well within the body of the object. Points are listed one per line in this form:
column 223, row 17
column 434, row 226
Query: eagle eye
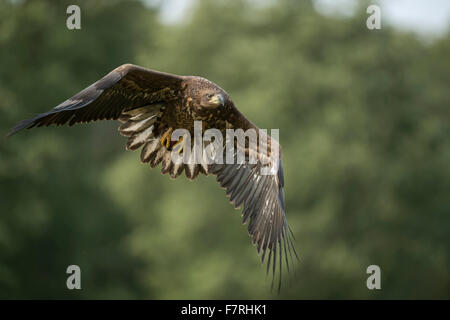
column 212, row 100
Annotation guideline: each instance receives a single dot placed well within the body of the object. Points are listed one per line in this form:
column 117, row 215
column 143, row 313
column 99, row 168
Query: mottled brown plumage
column 150, row 105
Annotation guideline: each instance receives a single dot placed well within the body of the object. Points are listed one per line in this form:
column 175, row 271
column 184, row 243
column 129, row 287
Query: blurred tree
column 54, row 212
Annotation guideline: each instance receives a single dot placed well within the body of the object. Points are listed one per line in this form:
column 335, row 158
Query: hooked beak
column 217, row 99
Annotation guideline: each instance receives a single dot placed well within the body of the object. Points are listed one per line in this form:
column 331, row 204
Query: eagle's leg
column 178, row 146
column 166, row 138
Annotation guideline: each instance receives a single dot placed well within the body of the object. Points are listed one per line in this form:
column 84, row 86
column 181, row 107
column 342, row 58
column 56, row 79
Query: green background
column 364, row 124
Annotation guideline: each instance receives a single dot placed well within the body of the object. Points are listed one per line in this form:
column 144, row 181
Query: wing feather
column 126, row 87
column 262, row 196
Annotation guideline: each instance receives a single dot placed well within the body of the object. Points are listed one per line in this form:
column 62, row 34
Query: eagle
column 150, row 105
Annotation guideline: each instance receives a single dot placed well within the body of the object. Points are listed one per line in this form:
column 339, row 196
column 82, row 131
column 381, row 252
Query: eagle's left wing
column 258, row 188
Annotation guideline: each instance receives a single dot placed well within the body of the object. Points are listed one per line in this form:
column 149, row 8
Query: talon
column 180, row 149
column 166, row 137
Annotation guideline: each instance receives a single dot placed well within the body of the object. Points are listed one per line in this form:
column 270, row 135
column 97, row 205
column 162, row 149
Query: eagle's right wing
column 126, row 87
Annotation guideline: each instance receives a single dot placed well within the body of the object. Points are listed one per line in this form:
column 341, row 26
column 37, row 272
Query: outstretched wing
column 258, row 188
column 126, row 87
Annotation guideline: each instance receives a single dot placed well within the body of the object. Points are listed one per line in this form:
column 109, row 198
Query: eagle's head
column 206, row 95
column 211, row 99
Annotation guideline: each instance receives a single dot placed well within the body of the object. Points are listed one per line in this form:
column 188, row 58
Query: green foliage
column 364, row 124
